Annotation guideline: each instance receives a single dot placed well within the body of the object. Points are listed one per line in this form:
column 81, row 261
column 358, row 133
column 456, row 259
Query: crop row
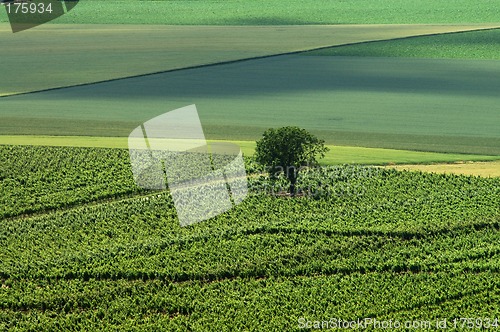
column 34, row 178
column 444, row 223
column 244, row 304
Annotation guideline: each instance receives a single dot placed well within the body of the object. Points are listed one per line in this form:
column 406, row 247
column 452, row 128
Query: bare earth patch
column 485, row 169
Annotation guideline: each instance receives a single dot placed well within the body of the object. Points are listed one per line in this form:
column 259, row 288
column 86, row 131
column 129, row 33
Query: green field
column 467, row 45
column 435, row 105
column 369, row 242
column 278, row 12
column 70, row 54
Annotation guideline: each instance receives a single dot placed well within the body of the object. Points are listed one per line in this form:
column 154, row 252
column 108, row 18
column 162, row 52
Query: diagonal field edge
column 76, row 206
column 240, row 60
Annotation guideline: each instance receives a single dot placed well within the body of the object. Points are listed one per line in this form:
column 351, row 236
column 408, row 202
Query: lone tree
column 286, row 150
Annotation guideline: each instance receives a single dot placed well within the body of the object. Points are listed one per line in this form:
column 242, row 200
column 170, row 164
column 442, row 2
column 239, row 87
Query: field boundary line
column 207, row 65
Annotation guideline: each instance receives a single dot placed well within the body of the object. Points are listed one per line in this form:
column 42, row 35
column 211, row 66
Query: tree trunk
column 293, row 180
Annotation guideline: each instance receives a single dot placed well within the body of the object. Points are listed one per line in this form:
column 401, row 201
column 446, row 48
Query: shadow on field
column 298, row 74
column 452, row 105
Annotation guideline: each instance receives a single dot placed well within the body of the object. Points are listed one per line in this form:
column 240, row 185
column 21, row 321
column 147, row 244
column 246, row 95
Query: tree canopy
column 287, row 149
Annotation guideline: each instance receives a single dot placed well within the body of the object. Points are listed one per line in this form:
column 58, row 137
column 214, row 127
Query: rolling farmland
column 83, row 248
column 435, row 105
column 104, row 52
column 364, row 245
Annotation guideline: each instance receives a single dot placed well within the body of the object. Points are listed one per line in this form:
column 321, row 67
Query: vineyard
column 83, row 248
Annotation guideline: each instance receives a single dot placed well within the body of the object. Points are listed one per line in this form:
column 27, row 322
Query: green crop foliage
column 35, row 179
column 466, row 45
column 356, row 242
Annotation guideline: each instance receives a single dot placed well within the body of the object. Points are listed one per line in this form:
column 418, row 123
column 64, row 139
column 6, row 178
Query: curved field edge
column 460, row 45
column 39, row 179
column 337, row 155
column 83, row 54
column 279, row 12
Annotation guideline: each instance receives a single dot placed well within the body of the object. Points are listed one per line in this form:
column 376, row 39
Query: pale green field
column 435, row 105
column 337, row 154
column 279, row 12
column 76, row 54
column 462, row 45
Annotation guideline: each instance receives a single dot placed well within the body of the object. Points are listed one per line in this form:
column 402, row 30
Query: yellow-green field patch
column 336, row 156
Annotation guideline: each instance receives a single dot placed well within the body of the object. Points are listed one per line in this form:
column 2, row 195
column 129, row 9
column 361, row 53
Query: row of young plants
column 253, row 253
column 270, row 304
column 407, row 205
column 38, row 178
column 34, row 179
column 387, row 227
